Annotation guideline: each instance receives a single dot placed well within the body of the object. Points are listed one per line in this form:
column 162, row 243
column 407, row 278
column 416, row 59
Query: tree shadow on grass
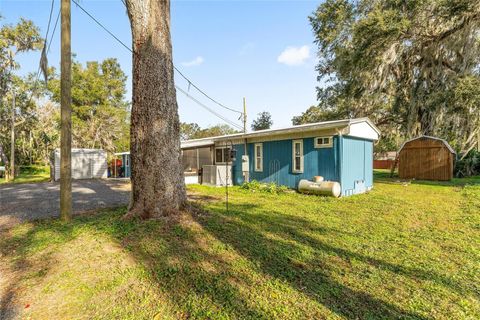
column 193, row 262
column 278, row 257
column 196, row 282
column 198, row 279
column 296, row 229
column 15, row 251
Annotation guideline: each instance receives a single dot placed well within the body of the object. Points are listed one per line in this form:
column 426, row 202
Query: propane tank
column 318, row 179
column 325, row 188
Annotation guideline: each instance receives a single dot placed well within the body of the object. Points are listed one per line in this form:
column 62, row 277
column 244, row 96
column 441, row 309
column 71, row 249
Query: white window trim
column 329, row 145
column 223, row 154
column 215, row 155
column 258, row 156
column 301, row 156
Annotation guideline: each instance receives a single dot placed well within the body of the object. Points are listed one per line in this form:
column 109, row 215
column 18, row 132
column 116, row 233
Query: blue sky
column 261, row 50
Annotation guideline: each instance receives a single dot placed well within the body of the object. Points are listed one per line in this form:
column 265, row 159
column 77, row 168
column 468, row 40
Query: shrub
column 468, row 166
column 272, row 187
column 252, row 185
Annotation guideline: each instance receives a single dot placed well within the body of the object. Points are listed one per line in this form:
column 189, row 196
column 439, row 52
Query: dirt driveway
column 22, row 202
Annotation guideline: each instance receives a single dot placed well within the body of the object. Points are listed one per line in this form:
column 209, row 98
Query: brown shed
column 426, row 158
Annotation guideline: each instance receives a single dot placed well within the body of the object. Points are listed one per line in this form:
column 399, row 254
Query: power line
column 176, row 69
column 209, row 109
column 35, row 84
column 49, row 21
column 53, row 32
column 102, row 26
column 206, row 95
column 46, row 35
column 190, row 83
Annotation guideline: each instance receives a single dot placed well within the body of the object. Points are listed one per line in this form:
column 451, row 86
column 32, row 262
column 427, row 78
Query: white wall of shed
column 86, row 164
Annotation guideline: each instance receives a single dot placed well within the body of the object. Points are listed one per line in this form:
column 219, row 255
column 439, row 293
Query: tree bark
column 4, row 158
column 158, row 187
column 12, row 141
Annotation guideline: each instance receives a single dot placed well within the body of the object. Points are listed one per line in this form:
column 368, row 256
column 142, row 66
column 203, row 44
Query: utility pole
column 246, row 177
column 244, row 115
column 66, row 114
column 12, row 140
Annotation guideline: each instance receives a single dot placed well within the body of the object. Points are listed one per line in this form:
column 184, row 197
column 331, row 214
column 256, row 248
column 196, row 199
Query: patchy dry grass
column 405, row 250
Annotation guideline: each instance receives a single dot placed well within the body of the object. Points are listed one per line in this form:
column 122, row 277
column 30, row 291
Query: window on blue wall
column 258, row 157
column 323, row 142
column 221, row 155
column 297, row 156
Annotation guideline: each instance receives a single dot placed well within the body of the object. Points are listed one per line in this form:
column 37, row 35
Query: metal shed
column 86, row 164
column 426, row 158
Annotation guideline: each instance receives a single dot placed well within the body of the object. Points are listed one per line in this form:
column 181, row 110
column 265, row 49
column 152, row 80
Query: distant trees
column 21, row 37
column 100, row 113
column 263, row 121
column 413, row 67
column 316, row 114
column 37, row 124
column 194, row 131
column 188, row 130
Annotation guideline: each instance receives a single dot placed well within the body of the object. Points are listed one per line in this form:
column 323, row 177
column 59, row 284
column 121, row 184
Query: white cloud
column 195, row 62
column 294, row 56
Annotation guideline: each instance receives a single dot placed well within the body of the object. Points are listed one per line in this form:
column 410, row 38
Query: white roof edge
column 367, row 120
column 196, row 143
column 308, row 126
column 429, row 137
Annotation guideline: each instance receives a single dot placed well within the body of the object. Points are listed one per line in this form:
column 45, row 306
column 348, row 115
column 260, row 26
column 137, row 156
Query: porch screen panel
column 204, row 157
column 189, row 159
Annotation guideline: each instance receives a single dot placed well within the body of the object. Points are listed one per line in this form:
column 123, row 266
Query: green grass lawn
column 405, row 250
column 31, row 174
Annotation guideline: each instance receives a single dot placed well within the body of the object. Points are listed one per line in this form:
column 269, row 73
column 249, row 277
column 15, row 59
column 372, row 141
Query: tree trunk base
column 143, row 213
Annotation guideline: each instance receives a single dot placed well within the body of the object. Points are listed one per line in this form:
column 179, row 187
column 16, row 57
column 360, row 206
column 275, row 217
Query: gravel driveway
column 22, row 202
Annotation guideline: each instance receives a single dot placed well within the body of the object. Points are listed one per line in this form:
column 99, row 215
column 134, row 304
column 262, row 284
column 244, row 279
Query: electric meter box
column 245, row 165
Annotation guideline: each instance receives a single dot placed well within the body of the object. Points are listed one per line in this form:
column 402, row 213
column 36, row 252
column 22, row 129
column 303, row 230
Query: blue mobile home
column 339, row 151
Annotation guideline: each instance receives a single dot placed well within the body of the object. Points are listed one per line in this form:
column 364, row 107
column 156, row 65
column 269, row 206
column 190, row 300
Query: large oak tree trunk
column 158, row 187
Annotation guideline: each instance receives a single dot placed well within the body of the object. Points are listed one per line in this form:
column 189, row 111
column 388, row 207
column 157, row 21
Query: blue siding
column 126, row 170
column 237, row 175
column 277, row 162
column 357, row 165
column 369, row 163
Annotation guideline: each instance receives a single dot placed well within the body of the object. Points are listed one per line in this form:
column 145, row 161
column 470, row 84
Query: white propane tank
column 318, row 179
column 325, row 188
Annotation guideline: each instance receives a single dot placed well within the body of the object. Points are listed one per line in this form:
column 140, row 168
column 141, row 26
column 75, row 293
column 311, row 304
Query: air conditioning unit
column 216, row 175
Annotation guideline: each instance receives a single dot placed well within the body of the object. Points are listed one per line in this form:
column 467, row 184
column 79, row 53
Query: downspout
column 246, row 174
column 340, row 158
